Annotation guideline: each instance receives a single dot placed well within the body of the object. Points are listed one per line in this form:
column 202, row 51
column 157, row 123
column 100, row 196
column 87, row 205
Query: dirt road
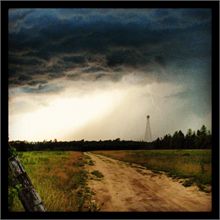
column 127, row 187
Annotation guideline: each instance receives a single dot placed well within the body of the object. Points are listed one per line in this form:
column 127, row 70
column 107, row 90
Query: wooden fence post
column 27, row 194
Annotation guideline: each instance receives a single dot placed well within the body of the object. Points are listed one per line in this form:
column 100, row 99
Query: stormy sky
column 96, row 73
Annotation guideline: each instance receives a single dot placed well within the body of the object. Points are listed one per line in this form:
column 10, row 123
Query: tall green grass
column 57, row 177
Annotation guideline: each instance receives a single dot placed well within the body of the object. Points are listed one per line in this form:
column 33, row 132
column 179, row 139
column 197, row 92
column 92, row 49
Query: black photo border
column 213, row 5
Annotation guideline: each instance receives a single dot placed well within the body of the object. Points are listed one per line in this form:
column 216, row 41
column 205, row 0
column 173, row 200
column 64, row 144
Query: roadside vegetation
column 59, row 178
column 194, row 166
column 97, row 174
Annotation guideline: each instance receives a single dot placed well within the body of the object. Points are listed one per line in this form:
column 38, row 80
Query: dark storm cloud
column 47, row 43
column 17, row 17
column 37, row 82
column 40, row 88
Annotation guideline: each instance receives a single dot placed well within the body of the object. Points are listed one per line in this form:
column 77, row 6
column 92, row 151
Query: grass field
column 194, row 165
column 59, row 178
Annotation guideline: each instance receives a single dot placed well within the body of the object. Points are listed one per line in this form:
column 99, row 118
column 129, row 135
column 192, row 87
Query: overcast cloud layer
column 120, row 63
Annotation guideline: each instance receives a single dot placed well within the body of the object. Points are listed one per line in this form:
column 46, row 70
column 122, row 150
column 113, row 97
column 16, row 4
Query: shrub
column 97, row 173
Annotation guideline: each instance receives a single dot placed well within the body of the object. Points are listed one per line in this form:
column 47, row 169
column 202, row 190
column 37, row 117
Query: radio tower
column 147, row 136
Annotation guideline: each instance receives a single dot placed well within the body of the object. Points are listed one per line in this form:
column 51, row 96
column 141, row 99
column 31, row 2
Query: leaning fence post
column 27, row 194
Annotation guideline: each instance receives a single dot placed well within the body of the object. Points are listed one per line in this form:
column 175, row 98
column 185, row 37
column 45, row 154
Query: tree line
column 81, row 145
column 201, row 139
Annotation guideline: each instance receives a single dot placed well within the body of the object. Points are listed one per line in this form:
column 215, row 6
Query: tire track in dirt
column 128, row 188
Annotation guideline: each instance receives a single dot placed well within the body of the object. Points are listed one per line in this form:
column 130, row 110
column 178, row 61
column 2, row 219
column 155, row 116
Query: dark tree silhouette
column 202, row 139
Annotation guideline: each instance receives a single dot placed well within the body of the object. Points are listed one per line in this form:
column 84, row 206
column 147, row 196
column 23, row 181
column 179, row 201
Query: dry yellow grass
column 57, row 177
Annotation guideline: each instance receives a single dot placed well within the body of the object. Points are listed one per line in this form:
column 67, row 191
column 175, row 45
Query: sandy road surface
column 134, row 188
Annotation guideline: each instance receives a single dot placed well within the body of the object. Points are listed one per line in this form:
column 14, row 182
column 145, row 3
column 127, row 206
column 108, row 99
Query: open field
column 120, row 180
column 59, row 178
column 195, row 165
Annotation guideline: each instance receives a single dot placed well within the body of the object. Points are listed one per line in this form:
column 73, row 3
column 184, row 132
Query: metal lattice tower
column 148, row 136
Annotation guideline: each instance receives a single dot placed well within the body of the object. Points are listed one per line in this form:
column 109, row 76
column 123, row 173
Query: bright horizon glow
column 95, row 111
column 62, row 116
